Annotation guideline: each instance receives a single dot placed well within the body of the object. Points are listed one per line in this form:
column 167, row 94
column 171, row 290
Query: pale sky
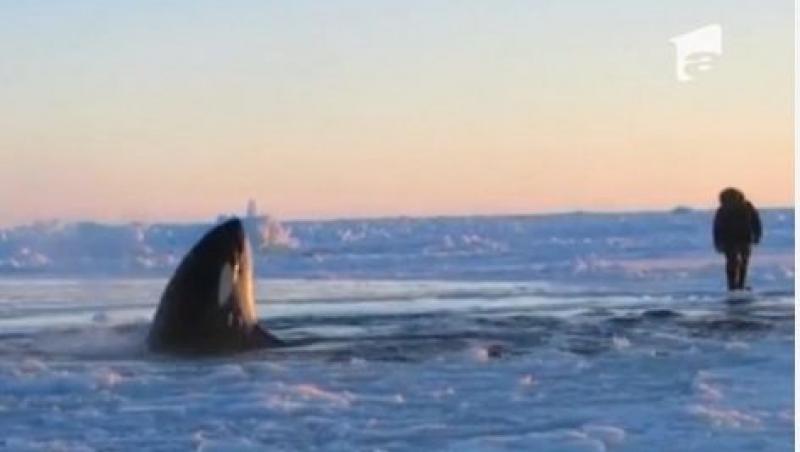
column 147, row 110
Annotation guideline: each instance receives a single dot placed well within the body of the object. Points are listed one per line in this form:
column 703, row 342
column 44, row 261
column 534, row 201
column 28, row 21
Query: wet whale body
column 208, row 305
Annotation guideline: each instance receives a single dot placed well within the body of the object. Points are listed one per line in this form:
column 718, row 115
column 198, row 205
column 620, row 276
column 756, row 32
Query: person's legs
column 744, row 260
column 731, row 267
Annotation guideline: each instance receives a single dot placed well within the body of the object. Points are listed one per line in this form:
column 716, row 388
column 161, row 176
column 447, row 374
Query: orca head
column 208, row 304
column 227, row 251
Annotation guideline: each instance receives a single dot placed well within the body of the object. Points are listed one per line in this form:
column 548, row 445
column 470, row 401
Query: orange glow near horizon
column 318, row 113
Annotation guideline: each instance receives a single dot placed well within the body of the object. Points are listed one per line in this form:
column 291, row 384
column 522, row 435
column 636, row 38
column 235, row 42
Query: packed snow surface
column 576, row 333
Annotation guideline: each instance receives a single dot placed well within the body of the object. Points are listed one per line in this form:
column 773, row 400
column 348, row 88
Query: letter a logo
column 697, row 51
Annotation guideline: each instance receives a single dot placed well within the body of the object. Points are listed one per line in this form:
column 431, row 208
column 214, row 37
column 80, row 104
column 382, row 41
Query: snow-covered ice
column 575, row 333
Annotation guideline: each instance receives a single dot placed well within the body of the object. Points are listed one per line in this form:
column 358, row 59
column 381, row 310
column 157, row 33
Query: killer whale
column 208, row 305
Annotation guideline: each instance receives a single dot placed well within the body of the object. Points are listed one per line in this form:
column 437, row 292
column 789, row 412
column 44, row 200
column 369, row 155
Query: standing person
column 737, row 227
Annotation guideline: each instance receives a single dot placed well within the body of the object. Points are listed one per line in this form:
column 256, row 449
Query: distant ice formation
column 652, row 248
column 55, row 247
column 267, row 233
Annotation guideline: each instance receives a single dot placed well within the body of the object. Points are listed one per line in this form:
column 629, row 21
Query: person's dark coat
column 736, row 223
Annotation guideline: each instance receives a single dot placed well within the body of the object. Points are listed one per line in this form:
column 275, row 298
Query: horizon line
column 212, row 220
